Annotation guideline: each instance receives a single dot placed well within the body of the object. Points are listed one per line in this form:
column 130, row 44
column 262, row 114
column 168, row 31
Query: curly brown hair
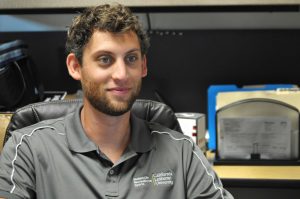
column 114, row 18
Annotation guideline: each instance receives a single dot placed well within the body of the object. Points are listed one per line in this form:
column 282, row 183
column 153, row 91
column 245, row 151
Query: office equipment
column 19, row 83
column 256, row 137
column 213, row 106
column 258, row 129
column 54, row 95
column 193, row 125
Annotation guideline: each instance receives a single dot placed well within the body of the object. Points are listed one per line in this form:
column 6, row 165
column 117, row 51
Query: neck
column 110, row 133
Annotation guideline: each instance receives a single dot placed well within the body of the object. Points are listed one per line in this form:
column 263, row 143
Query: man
column 102, row 150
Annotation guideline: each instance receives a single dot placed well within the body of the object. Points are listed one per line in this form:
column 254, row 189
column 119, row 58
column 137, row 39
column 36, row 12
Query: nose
column 120, row 72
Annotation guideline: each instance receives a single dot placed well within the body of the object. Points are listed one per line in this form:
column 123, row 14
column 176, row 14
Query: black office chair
column 33, row 113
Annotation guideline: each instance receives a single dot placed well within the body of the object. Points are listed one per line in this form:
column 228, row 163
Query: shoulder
column 57, row 123
column 26, row 144
column 35, row 132
column 166, row 136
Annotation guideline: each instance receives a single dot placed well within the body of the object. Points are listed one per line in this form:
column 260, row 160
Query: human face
column 112, row 71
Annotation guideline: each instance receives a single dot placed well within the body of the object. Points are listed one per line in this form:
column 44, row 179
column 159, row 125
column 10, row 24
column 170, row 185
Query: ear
column 74, row 67
column 144, row 67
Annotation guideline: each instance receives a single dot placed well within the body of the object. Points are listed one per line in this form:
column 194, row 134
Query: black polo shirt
column 55, row 159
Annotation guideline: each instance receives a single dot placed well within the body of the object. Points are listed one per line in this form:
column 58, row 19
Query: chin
column 112, row 107
column 120, row 106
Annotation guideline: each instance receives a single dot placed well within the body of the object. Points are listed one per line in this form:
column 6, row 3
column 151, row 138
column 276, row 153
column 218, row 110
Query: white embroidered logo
column 157, row 179
column 162, row 178
column 141, row 181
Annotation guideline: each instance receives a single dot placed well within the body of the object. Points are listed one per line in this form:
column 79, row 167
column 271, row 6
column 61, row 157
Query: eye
column 130, row 59
column 105, row 60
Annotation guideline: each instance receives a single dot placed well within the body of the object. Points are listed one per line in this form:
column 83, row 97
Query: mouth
column 119, row 90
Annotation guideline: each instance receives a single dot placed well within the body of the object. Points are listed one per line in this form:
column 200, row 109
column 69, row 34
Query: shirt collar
column 141, row 140
column 76, row 137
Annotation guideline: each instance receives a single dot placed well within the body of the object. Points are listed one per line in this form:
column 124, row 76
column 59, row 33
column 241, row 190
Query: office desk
column 258, row 172
column 261, row 182
column 4, row 120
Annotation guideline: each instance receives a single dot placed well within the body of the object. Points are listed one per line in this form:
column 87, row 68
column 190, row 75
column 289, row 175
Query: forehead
column 107, row 41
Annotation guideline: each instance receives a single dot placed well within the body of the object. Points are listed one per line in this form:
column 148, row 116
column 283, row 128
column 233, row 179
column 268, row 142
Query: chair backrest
column 33, row 113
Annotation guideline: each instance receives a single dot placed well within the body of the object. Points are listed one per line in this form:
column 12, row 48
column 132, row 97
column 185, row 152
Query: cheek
column 95, row 76
column 138, row 72
column 92, row 88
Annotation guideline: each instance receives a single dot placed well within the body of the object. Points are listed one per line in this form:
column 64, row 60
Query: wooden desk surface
column 4, row 120
column 258, row 172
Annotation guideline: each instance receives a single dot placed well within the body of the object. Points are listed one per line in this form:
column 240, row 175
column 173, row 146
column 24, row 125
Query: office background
column 191, row 49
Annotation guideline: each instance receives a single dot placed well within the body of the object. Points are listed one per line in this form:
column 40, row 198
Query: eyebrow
column 109, row 52
column 133, row 50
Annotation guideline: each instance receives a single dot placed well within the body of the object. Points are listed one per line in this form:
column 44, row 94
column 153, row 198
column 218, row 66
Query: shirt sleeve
column 202, row 181
column 16, row 168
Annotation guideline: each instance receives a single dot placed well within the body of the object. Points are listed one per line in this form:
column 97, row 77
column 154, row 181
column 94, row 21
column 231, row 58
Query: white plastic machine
column 193, row 125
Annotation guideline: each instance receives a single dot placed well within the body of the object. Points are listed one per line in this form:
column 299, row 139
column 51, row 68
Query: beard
column 98, row 98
